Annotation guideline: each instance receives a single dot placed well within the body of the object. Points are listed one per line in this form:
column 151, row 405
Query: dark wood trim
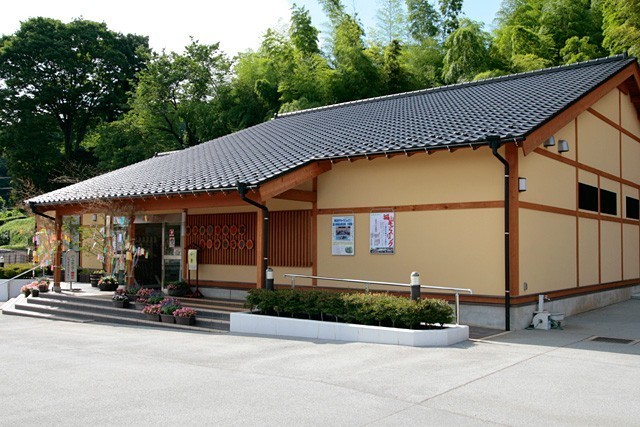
column 613, row 124
column 621, row 197
column 599, row 236
column 569, row 212
column 417, row 208
column 537, row 137
column 577, row 212
column 260, row 273
column 292, row 179
column 511, row 152
column 314, row 234
column 298, row 196
column 584, row 167
column 57, row 251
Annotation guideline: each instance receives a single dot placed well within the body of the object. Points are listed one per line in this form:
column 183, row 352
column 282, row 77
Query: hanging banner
column 71, row 266
column 342, row 235
column 382, row 233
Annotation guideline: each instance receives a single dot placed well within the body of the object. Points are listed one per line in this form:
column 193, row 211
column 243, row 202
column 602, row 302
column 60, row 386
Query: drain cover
column 612, row 340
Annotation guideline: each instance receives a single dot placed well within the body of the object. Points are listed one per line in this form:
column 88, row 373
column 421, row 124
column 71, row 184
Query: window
column 587, row 197
column 632, row 208
column 608, row 202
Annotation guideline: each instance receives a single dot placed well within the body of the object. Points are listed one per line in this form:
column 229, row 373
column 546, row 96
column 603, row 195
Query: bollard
column 1, row 262
column 415, row 285
column 269, row 279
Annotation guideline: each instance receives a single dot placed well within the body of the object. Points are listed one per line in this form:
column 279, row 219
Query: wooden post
column 57, row 254
column 260, row 273
column 132, row 242
column 183, row 244
column 511, row 154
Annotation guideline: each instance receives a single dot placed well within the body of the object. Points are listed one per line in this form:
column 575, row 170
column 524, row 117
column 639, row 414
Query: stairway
column 213, row 314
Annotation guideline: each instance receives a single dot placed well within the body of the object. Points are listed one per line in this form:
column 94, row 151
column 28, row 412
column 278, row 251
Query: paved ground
column 58, row 373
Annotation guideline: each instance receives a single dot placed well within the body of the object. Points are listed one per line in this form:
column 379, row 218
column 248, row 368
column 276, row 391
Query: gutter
column 242, row 191
column 32, row 206
column 494, row 144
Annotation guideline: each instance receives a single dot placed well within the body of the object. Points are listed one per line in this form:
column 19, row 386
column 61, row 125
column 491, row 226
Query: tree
column 391, row 22
column 449, row 12
column 423, row 19
column 304, row 36
column 466, row 52
column 621, row 26
column 394, row 74
column 578, row 49
column 77, row 74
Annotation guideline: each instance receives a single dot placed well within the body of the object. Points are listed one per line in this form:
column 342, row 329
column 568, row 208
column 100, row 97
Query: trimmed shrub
column 12, row 270
column 363, row 308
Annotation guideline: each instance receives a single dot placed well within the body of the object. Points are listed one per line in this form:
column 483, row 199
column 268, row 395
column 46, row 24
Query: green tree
column 466, row 52
column 423, row 19
column 391, row 22
column 449, row 12
column 77, row 74
column 578, row 49
column 621, row 26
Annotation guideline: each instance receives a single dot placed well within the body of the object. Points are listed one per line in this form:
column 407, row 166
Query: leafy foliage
column 367, row 309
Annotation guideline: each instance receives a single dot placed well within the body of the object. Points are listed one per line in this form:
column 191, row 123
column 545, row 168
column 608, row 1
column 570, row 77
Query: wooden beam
column 57, row 254
column 298, row 196
column 511, row 152
column 292, row 179
column 260, row 273
column 417, row 208
column 538, row 136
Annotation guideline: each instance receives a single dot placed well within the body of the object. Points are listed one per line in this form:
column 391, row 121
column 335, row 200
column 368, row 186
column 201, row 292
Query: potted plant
column 168, row 306
column 143, row 295
column 185, row 316
column 95, row 277
column 28, row 289
column 43, row 285
column 156, row 297
column 177, row 289
column 152, row 312
column 120, row 299
column 132, row 291
column 108, row 283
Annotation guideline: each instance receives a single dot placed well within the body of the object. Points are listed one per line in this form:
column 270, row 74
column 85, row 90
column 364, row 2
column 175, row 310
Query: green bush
column 12, row 270
column 362, row 308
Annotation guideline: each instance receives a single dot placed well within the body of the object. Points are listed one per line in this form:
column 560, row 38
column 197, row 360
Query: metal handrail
column 374, row 282
column 19, row 275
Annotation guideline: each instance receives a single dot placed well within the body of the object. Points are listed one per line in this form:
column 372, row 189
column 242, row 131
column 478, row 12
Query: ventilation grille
column 612, row 340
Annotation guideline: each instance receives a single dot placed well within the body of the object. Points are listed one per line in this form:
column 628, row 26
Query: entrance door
column 172, row 253
column 148, row 270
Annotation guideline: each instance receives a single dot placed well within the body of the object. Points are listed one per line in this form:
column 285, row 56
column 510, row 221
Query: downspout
column 242, row 190
column 494, row 143
column 32, row 206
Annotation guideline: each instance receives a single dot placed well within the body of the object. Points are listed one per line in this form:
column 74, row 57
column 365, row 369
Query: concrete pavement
column 60, row 373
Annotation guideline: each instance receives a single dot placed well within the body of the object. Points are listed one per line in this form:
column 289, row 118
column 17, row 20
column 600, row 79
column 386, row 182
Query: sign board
column 71, row 266
column 192, row 259
column 342, row 235
column 382, row 233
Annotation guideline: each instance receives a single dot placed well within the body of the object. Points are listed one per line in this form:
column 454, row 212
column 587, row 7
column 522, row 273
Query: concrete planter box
column 247, row 323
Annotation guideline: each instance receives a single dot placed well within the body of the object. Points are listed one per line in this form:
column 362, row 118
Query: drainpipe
column 494, row 143
column 242, row 190
column 32, row 206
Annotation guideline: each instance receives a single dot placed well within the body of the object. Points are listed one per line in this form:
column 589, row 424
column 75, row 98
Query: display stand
column 190, row 267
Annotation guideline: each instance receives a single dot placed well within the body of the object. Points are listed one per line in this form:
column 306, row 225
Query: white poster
column 342, row 235
column 71, row 266
column 382, row 233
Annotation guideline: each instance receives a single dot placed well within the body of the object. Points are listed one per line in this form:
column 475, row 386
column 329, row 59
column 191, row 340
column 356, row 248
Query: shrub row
column 367, row 309
column 12, row 270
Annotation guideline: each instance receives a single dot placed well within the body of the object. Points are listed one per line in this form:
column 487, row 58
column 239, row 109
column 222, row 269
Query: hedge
column 366, row 309
column 12, row 270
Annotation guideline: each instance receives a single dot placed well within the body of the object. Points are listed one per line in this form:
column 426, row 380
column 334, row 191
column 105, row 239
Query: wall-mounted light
column 94, row 217
column 522, row 184
column 563, row 146
column 550, row 142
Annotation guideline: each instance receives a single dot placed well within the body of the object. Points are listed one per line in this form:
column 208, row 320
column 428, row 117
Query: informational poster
column 192, row 259
column 382, row 231
column 342, row 235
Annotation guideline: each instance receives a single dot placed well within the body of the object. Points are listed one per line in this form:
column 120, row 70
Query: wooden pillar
column 314, row 234
column 514, row 220
column 260, row 273
column 57, row 254
column 183, row 244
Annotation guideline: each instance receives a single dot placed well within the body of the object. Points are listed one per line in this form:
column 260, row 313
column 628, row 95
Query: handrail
column 19, row 275
column 375, row 282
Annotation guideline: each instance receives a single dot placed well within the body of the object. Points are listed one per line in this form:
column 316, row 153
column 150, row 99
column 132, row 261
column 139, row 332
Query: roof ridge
column 507, row 77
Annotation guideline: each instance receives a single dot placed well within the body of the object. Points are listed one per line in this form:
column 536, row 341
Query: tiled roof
column 448, row 116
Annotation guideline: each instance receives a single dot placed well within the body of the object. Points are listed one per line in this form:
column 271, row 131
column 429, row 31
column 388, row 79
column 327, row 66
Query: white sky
column 237, row 24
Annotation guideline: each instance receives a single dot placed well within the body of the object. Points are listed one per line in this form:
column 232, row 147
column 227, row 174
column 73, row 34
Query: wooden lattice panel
column 227, row 239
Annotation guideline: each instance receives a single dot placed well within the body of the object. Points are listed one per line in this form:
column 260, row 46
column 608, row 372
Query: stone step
column 635, row 296
column 103, row 314
column 9, row 309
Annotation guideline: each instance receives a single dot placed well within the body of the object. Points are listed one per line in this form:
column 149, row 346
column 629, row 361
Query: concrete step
column 72, row 310
column 635, row 296
column 9, row 309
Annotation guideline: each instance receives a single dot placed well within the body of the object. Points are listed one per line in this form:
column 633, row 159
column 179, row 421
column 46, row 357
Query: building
column 378, row 188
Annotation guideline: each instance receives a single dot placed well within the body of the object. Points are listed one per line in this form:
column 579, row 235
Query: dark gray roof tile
column 510, row 106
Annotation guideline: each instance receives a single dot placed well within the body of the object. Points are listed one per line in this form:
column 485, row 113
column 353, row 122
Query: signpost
column 71, row 267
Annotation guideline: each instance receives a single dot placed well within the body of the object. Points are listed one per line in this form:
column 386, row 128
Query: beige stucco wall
column 631, row 251
column 461, row 176
column 88, row 260
column 588, row 251
column 246, row 273
column 608, row 106
column 598, row 144
column 611, row 251
column 547, row 251
column 629, row 116
column 630, row 159
column 549, row 182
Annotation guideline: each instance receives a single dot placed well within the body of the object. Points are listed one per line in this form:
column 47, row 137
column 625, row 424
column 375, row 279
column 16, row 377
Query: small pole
column 1, row 261
column 457, row 308
column 415, row 286
column 269, row 275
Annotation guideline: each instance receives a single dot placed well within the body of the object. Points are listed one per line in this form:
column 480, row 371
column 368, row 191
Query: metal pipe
column 32, row 206
column 242, row 190
column 494, row 143
column 457, row 308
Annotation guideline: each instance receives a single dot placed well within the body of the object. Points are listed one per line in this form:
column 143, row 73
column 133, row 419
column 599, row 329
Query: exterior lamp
column 522, row 184
column 94, row 217
column 563, row 146
column 550, row 142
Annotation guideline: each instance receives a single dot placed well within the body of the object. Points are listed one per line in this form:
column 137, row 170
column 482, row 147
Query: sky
column 237, row 24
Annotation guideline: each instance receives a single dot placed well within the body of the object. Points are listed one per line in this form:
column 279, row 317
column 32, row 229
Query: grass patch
column 17, row 234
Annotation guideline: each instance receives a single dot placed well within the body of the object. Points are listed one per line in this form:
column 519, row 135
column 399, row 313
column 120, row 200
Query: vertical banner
column 71, row 266
column 342, row 235
column 382, row 231
column 192, row 259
